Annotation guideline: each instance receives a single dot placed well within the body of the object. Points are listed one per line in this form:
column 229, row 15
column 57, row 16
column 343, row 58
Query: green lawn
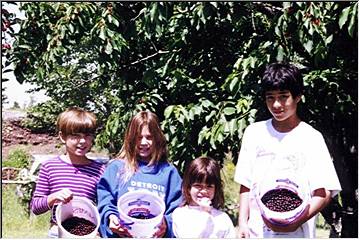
column 15, row 222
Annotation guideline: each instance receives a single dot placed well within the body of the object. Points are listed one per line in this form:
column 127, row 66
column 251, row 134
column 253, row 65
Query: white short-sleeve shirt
column 302, row 152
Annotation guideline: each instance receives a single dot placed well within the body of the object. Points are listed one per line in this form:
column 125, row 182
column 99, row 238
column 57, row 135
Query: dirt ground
column 13, row 135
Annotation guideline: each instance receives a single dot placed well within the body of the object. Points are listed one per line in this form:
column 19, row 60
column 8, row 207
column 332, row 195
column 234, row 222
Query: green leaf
column 232, row 126
column 109, row 17
column 153, row 11
column 206, row 103
column 280, row 53
column 233, row 83
column 81, row 21
column 351, row 26
column 241, row 125
column 202, row 134
column 208, row 117
column 62, row 31
column 344, row 16
column 238, row 63
column 277, row 31
column 352, row 21
column 191, row 114
column 329, row 39
column 24, row 46
column 108, row 48
column 229, row 110
column 196, row 109
column 71, row 28
column 115, row 126
column 102, row 33
column 308, row 46
column 115, row 21
column 266, row 44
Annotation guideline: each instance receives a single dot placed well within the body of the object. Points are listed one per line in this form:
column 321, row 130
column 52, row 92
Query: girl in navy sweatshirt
column 142, row 164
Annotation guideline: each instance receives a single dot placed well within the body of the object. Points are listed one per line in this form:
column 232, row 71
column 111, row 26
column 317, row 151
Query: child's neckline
column 66, row 159
column 283, row 131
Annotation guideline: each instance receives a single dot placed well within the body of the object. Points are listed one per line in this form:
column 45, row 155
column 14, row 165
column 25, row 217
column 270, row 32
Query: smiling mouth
column 278, row 112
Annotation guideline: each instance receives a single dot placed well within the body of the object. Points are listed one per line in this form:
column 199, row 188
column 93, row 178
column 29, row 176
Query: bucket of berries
column 78, row 218
column 141, row 212
column 281, row 200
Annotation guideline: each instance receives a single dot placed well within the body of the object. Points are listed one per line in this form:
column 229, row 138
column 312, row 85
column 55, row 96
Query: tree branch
column 152, row 55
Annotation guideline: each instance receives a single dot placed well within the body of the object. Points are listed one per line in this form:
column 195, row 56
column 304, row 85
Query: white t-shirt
column 302, row 152
column 192, row 222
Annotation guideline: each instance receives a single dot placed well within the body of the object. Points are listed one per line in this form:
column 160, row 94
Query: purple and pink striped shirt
column 56, row 174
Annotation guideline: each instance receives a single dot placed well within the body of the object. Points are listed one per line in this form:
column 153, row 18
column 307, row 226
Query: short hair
column 133, row 131
column 203, row 169
column 76, row 120
column 282, row 76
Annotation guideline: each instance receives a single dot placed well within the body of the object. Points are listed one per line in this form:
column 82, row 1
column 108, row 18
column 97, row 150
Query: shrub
column 231, row 189
column 17, row 158
column 42, row 117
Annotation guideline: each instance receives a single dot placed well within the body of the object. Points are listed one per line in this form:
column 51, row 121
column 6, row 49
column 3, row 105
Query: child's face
column 144, row 144
column 78, row 144
column 281, row 104
column 200, row 192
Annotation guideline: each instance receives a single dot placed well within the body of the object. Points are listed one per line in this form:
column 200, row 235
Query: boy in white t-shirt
column 283, row 144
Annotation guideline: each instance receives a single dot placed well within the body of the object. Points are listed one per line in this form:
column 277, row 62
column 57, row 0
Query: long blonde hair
column 129, row 150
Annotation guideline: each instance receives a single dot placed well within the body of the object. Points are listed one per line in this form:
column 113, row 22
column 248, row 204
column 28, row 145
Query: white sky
column 15, row 91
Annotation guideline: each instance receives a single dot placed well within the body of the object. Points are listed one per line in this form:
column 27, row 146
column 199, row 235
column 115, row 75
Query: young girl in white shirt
column 199, row 215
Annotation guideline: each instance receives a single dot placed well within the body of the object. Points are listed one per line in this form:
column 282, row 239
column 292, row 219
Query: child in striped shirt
column 71, row 174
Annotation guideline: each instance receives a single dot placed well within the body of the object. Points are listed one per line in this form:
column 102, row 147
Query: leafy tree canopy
column 197, row 65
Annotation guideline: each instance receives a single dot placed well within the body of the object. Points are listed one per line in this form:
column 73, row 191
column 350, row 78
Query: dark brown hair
column 203, row 170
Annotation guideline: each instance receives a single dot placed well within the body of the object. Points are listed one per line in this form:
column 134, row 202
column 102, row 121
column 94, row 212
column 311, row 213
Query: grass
column 15, row 222
column 322, row 228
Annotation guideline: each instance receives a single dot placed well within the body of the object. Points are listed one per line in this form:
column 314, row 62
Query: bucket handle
column 53, row 213
column 126, row 225
column 60, row 203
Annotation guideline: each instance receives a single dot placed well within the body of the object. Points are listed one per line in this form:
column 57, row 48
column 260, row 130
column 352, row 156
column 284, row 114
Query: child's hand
column 117, row 228
column 205, row 204
column 161, row 229
column 65, row 195
column 243, row 231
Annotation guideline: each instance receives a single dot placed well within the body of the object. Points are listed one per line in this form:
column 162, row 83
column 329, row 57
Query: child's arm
column 106, row 198
column 173, row 199
column 243, row 231
column 39, row 203
column 319, row 200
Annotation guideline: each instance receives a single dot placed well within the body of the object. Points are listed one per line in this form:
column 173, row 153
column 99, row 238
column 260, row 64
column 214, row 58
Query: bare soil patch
column 14, row 135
